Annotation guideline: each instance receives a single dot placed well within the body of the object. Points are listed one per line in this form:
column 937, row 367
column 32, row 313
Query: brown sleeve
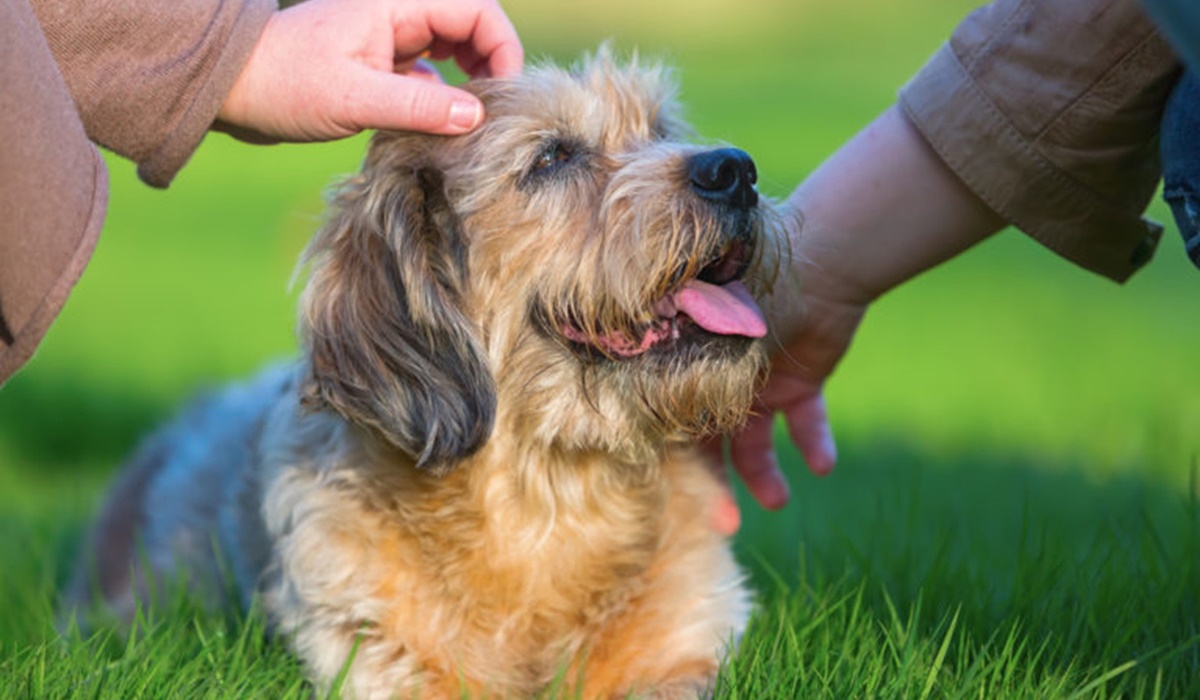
column 54, row 188
column 1049, row 111
column 149, row 76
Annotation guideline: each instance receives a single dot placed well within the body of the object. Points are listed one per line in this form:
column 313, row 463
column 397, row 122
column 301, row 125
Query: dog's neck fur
column 566, row 509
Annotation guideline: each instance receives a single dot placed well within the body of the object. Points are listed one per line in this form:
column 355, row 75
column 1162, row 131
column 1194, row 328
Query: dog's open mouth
column 715, row 302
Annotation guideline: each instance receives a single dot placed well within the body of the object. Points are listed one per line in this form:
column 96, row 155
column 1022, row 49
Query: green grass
column 1014, row 515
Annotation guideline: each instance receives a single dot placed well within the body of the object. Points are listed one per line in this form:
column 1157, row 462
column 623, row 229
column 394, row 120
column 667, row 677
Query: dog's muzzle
column 708, row 304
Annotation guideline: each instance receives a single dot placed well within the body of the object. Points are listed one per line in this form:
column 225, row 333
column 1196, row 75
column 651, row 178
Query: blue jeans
column 1180, row 21
column 1180, row 142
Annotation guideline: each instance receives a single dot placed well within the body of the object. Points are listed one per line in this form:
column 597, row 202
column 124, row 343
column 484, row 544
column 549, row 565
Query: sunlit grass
column 906, row 579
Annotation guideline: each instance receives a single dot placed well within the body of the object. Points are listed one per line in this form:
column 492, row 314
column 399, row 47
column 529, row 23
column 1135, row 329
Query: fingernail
column 465, row 114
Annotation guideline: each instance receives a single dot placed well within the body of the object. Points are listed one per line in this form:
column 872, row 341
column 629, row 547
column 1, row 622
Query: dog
column 481, row 477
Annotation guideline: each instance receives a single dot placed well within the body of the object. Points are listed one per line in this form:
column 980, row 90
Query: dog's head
column 574, row 271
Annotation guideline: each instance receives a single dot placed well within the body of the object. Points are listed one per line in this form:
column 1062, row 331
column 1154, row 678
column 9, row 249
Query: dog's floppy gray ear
column 388, row 341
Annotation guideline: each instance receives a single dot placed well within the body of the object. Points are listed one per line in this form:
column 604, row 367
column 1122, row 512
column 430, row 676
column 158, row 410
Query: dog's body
column 480, row 477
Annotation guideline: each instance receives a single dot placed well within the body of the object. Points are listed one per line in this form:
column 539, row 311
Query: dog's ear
column 389, row 343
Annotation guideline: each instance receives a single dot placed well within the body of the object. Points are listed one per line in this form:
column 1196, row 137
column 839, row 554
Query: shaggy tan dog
column 481, row 476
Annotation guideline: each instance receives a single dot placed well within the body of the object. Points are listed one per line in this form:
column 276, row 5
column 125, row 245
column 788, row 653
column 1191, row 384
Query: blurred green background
column 1007, row 349
column 1005, row 384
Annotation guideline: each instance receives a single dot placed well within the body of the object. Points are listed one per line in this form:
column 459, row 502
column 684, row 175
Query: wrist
column 881, row 210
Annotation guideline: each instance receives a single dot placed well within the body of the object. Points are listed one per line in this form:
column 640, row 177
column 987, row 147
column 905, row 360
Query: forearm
column 881, row 210
column 1042, row 113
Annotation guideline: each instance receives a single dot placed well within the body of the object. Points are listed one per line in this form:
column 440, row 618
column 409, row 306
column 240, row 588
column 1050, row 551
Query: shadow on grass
column 1094, row 572
column 56, row 423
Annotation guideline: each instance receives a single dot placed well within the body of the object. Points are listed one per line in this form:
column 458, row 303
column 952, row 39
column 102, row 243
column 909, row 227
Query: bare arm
column 1042, row 113
column 879, row 211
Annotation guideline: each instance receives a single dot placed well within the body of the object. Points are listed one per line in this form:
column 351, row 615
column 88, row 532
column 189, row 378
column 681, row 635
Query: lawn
column 1015, row 513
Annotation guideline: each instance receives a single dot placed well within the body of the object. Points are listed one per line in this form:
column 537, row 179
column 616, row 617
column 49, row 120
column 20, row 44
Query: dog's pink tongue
column 725, row 310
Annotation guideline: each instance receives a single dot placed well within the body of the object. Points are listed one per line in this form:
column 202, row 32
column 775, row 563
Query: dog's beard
column 700, row 301
column 714, row 304
column 686, row 359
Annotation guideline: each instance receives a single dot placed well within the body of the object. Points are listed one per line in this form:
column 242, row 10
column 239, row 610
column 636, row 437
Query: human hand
column 814, row 317
column 326, row 69
column 810, row 351
column 815, row 330
column 881, row 210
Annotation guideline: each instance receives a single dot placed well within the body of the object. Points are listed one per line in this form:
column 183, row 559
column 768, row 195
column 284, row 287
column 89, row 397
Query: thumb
column 408, row 103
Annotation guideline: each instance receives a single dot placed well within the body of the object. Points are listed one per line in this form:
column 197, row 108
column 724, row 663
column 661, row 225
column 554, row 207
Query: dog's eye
column 553, row 156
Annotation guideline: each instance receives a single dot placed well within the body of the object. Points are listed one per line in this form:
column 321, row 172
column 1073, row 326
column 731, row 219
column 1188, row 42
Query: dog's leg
column 693, row 610
column 334, row 576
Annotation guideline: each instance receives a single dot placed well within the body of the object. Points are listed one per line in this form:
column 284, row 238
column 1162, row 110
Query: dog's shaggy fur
column 480, row 478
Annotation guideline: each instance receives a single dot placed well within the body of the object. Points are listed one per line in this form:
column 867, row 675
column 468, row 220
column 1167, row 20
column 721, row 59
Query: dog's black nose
column 724, row 175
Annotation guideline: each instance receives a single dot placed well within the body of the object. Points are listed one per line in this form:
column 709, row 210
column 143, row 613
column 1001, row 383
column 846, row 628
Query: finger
column 753, row 453
column 486, row 44
column 726, row 517
column 401, row 102
column 496, row 42
column 464, row 56
column 808, row 424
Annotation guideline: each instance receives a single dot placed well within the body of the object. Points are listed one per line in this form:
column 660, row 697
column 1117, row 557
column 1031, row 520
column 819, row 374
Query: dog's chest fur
column 516, row 573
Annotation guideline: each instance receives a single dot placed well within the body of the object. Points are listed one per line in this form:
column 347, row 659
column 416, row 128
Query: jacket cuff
column 172, row 153
column 1006, row 171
